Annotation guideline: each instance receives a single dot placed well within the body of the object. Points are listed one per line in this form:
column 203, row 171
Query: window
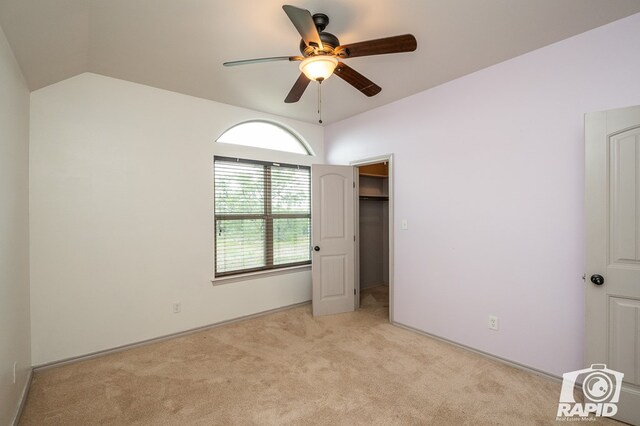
column 264, row 134
column 262, row 215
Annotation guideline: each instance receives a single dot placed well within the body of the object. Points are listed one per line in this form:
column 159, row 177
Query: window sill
column 259, row 274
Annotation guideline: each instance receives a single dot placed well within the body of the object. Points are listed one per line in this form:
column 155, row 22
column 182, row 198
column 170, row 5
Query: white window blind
column 262, row 215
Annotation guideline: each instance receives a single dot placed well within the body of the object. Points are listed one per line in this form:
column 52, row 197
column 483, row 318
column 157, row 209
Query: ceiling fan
column 322, row 53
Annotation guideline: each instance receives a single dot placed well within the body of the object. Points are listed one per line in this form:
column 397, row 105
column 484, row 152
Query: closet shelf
column 374, row 197
column 374, row 175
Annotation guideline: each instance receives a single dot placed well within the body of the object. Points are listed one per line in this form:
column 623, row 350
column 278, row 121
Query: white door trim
column 363, row 162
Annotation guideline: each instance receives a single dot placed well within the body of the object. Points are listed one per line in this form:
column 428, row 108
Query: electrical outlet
column 493, row 322
column 176, row 307
column 404, row 224
column 15, row 364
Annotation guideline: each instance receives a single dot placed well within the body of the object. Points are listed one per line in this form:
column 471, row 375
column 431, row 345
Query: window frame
column 267, row 215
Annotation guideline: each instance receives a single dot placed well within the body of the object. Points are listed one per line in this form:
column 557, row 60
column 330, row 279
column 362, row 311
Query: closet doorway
column 374, row 234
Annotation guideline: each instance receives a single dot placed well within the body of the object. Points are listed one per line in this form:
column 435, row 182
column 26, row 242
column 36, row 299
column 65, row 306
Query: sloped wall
column 121, row 216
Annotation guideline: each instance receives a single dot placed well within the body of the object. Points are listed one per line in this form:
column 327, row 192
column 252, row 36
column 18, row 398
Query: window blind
column 262, row 215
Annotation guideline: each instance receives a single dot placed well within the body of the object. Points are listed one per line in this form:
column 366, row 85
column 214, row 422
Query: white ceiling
column 180, row 45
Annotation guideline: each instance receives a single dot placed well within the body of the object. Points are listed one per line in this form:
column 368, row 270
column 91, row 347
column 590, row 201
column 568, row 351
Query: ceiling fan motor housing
column 329, row 41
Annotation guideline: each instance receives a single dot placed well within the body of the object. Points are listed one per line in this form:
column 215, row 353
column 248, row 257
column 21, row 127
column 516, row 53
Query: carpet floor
column 291, row 368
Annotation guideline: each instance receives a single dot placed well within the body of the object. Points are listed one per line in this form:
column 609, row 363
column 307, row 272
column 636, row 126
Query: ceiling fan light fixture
column 318, row 68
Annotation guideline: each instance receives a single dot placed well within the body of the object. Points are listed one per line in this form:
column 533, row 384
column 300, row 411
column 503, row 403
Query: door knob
column 316, row 248
column 597, row 279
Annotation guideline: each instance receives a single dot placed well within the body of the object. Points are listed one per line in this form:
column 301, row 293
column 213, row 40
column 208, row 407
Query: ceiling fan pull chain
column 320, row 102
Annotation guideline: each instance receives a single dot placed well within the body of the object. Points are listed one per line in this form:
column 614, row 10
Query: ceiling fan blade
column 298, row 89
column 258, row 60
column 303, row 22
column 381, row 46
column 357, row 80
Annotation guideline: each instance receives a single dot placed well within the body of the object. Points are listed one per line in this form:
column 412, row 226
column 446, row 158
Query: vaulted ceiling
column 180, row 45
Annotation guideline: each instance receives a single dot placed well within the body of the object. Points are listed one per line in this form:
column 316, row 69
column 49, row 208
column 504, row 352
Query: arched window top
column 265, row 134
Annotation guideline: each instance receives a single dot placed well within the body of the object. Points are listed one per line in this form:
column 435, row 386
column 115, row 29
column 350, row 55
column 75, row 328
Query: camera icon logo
column 601, row 389
column 598, row 387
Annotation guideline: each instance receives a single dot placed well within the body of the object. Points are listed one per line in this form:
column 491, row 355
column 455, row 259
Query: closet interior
column 373, row 212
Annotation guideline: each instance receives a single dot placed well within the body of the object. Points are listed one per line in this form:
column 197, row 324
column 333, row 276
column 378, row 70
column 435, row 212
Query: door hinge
column 354, row 238
column 354, row 184
column 354, row 291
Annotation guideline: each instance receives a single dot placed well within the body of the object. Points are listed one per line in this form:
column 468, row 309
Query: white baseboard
column 484, row 354
column 23, row 397
column 104, row 352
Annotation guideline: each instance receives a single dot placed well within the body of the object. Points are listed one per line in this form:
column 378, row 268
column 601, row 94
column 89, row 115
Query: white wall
column 489, row 173
column 14, row 232
column 121, row 216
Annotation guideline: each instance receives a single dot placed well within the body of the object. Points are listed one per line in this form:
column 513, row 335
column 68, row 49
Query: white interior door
column 613, row 249
column 332, row 226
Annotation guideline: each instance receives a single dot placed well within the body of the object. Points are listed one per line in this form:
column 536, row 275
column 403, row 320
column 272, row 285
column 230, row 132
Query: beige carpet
column 291, row 368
